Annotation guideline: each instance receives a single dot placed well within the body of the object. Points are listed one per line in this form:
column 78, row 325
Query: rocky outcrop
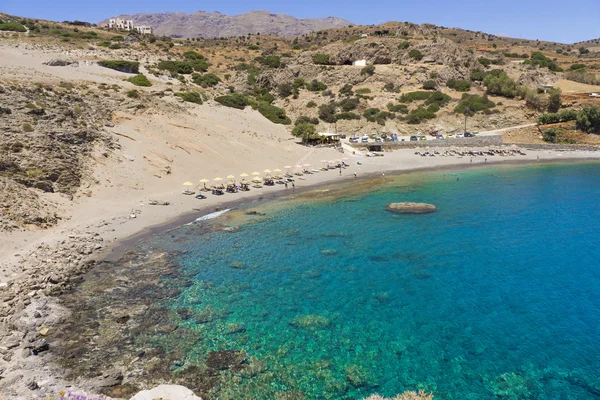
column 538, row 77
column 61, row 63
column 411, row 208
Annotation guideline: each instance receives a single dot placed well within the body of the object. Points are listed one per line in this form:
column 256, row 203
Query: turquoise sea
column 494, row 296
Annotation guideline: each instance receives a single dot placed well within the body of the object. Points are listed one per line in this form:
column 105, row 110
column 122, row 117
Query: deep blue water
column 496, row 295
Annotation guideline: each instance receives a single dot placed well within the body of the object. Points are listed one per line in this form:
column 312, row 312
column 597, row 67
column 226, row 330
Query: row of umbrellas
column 267, row 171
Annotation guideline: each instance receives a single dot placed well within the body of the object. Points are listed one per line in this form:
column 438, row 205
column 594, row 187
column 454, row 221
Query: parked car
column 395, row 137
column 342, row 136
column 365, row 139
column 469, row 134
column 460, row 134
column 440, row 137
column 353, row 140
column 413, row 138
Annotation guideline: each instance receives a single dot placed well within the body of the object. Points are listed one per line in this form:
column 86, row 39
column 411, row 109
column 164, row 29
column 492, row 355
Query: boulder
column 59, row 63
column 411, row 208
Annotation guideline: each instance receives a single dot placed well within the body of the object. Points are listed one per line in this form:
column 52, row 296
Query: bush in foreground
column 274, row 114
column 13, row 26
column 588, row 119
column 139, row 80
column 190, row 97
column 235, row 100
column 130, row 67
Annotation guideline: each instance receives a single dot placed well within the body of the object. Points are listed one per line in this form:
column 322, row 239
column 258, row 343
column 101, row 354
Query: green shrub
column 347, row 116
column 190, row 97
column 486, row 62
column 253, row 47
column 404, row 45
column 565, row 116
column 415, row 54
column 588, row 119
column 401, row 108
column 582, row 76
column 305, row 131
column 419, row 115
column 133, row 94
column 349, row 104
column 274, row 114
column 206, row 80
column 471, row 103
column 327, row 112
column 183, row 67
column 311, row 104
column 368, row 70
column 346, row 90
column 376, row 115
column 539, row 59
column 316, row 86
column 235, row 100
column 414, row 96
column 303, row 119
column 555, row 135
column 298, row 83
column 321, row 59
column 270, row 61
column 500, row 84
column 554, row 100
column 131, row 67
column 114, row 46
column 27, row 127
column 139, row 80
column 363, row 91
column 477, row 75
column 429, row 85
column 285, row 90
column 192, row 55
column 117, row 38
column 13, row 26
column 577, row 67
column 459, row 85
column 389, row 87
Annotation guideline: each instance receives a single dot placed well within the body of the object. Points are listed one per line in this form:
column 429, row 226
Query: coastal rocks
column 226, row 359
column 166, row 392
column 411, row 208
column 311, row 322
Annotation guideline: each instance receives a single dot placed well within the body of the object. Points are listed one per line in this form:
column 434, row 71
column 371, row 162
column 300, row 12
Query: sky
column 553, row 20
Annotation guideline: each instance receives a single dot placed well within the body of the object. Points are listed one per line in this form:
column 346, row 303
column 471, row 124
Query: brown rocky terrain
column 215, row 24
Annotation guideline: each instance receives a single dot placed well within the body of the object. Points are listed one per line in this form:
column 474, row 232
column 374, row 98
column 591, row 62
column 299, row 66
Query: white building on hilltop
column 144, row 29
column 118, row 23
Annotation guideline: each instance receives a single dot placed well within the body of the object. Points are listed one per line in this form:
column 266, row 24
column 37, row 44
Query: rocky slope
column 205, row 24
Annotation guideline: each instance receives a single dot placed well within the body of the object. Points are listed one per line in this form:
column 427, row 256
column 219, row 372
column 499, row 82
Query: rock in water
column 411, row 208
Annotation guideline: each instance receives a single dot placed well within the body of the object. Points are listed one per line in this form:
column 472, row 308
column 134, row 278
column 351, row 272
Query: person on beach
column 485, row 160
column 340, row 171
column 286, row 186
column 293, row 185
column 355, row 175
column 471, row 160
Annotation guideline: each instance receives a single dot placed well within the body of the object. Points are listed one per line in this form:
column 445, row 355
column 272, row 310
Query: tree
column 321, row 59
column 346, row 90
column 368, row 70
column 588, row 119
column 554, row 101
column 285, row 90
column 416, row 54
column 429, row 85
column 304, row 131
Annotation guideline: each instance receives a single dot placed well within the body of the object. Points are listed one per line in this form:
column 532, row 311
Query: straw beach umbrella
column 267, row 171
column 205, row 181
column 256, row 173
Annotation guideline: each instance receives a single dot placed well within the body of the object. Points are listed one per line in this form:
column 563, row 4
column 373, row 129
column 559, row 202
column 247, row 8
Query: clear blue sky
column 564, row 21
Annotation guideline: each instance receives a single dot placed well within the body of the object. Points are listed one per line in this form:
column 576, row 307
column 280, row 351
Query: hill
column 211, row 25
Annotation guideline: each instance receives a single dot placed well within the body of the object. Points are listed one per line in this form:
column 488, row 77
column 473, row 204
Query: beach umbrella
column 244, row 175
column 267, row 170
column 256, row 173
column 231, row 177
column 218, row 179
column 204, row 180
column 277, row 170
column 298, row 166
column 306, row 165
column 188, row 183
column 257, row 179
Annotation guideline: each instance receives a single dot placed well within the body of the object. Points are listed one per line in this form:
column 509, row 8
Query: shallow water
column 496, row 295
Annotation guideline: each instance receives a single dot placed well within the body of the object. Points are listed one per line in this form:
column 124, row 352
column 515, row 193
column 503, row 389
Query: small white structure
column 359, row 63
column 144, row 29
column 364, row 35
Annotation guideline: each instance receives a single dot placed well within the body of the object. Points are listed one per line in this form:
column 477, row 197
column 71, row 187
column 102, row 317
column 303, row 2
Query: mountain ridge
column 215, row 24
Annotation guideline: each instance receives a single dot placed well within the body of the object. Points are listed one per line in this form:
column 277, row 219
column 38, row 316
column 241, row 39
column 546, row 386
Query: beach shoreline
column 59, row 257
